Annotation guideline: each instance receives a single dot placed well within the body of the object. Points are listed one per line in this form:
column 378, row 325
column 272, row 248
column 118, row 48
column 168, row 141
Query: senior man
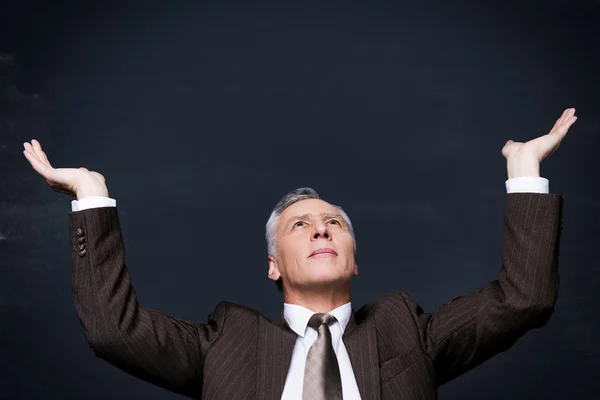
column 319, row 347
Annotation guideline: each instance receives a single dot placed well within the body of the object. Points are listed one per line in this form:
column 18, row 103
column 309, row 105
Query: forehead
column 308, row 206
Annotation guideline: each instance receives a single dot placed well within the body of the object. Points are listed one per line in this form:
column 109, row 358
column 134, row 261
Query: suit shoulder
column 237, row 312
column 236, row 308
column 400, row 303
column 398, row 297
column 397, row 322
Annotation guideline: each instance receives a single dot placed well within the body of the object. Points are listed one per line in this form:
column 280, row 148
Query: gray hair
column 286, row 201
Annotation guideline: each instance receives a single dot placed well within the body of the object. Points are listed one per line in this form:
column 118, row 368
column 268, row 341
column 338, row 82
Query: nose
column 321, row 232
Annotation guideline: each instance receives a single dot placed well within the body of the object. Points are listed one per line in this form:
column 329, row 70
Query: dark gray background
column 202, row 116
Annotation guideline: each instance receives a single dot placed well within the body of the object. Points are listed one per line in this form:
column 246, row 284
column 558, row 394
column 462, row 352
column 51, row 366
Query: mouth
column 324, row 252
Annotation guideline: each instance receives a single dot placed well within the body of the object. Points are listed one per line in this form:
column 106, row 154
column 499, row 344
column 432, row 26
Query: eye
column 336, row 221
column 298, row 222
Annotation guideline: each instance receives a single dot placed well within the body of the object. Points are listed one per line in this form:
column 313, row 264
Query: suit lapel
column 360, row 339
column 276, row 344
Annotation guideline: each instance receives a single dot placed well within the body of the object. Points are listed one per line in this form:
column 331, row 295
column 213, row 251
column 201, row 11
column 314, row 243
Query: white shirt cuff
column 530, row 184
column 92, row 202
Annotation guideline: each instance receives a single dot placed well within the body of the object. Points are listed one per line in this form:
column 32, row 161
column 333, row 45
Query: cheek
column 289, row 251
column 349, row 246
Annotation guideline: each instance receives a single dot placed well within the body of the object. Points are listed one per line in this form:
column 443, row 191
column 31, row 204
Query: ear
column 355, row 269
column 273, row 270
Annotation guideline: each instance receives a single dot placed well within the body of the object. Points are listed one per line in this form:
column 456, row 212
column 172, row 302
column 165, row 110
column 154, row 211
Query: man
column 319, row 347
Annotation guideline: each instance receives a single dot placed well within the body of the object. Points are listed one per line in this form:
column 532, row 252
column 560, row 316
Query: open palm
column 545, row 145
column 64, row 180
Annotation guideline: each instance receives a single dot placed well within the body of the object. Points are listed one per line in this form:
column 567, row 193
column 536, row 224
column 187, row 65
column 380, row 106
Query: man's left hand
column 523, row 159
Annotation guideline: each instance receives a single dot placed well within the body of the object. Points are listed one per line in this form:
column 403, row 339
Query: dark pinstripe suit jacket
column 397, row 351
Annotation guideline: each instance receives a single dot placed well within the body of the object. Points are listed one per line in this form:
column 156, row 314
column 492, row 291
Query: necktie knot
column 319, row 319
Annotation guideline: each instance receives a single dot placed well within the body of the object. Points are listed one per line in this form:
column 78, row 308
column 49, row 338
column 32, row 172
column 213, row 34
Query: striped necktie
column 322, row 379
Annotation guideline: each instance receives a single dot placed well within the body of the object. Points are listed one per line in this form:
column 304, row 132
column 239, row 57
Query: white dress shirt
column 297, row 316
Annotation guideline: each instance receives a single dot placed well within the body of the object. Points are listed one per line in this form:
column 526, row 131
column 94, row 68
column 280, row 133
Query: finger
column 559, row 120
column 562, row 116
column 39, row 166
column 39, row 152
column 30, row 149
column 570, row 121
column 567, row 114
column 570, row 113
column 564, row 128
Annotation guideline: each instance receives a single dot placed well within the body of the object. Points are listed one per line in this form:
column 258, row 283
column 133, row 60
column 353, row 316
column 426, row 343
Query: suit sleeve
column 470, row 329
column 163, row 350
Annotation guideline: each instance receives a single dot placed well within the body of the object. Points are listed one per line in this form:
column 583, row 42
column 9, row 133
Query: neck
column 320, row 301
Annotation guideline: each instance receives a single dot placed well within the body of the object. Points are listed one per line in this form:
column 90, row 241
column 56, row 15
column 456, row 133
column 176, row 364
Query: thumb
column 506, row 147
column 98, row 175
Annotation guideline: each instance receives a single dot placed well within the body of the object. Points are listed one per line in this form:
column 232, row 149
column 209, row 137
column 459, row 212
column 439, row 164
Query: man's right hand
column 78, row 182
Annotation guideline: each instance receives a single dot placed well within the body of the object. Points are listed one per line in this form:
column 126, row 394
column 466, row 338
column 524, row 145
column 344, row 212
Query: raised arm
column 150, row 345
column 470, row 329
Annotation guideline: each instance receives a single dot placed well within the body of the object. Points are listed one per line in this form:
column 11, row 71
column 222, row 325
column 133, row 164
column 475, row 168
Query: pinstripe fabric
column 397, row 350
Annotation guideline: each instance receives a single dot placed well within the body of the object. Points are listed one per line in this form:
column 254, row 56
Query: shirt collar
column 297, row 316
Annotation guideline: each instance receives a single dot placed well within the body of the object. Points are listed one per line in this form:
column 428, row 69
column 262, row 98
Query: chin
column 325, row 277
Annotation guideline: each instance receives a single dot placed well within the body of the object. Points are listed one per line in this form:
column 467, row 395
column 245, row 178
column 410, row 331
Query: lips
column 323, row 250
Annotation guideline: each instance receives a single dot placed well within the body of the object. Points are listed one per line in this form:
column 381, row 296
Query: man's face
column 305, row 227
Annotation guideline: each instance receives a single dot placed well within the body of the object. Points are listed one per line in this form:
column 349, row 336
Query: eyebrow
column 304, row 217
